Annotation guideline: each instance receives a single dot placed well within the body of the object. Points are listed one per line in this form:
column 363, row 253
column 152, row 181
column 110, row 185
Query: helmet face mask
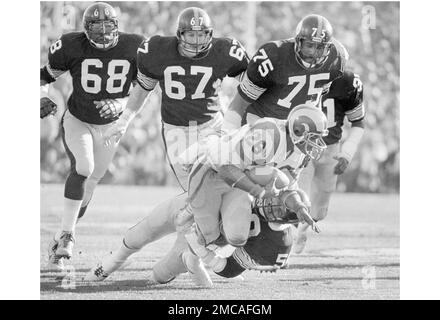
column 101, row 25
column 195, row 42
column 194, row 32
column 273, row 210
column 307, row 125
column 313, row 145
column 312, row 54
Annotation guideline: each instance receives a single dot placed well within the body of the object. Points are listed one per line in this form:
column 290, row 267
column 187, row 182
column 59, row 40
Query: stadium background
column 369, row 30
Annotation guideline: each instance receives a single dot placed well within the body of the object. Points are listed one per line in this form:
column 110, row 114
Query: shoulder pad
column 345, row 85
column 340, row 50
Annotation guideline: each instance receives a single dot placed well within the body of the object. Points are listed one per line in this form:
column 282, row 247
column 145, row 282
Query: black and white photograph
column 216, row 150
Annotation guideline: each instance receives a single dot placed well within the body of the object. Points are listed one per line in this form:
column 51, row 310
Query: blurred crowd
column 369, row 31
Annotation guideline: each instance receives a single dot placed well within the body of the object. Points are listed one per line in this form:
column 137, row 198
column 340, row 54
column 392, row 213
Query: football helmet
column 307, row 125
column 101, row 25
column 312, row 41
column 274, row 209
column 194, row 32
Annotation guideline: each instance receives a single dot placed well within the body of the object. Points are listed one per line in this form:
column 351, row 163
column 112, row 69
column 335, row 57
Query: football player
column 189, row 68
column 270, row 237
column 219, row 187
column 266, row 250
column 318, row 179
column 218, row 182
column 102, row 62
column 287, row 73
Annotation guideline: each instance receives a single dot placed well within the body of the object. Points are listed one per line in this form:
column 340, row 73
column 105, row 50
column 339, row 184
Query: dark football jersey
column 96, row 74
column 189, row 86
column 344, row 99
column 275, row 81
column 266, row 246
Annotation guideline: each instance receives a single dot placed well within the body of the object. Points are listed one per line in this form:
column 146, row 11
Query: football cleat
column 197, row 270
column 65, row 245
column 54, row 262
column 96, row 274
column 300, row 238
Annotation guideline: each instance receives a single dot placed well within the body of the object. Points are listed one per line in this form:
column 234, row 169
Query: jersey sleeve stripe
column 54, row 73
column 250, row 89
column 356, row 114
column 146, row 82
column 243, row 258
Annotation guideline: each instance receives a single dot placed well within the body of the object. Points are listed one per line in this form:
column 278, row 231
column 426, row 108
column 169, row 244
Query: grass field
column 355, row 257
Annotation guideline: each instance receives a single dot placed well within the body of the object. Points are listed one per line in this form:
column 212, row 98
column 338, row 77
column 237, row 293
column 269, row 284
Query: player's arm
column 135, row 103
column 237, row 178
column 255, row 81
column 138, row 96
column 57, row 65
column 355, row 114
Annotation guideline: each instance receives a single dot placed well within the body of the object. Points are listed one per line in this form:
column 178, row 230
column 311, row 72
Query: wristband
column 44, row 91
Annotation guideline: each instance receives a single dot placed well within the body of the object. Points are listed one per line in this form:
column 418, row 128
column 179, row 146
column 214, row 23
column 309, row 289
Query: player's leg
column 205, row 193
column 321, row 188
column 159, row 222
column 305, row 178
column 236, row 216
column 103, row 155
column 305, row 182
column 176, row 140
column 78, row 143
column 324, row 183
column 180, row 260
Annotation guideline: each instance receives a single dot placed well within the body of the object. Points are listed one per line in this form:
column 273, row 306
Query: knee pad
column 74, row 187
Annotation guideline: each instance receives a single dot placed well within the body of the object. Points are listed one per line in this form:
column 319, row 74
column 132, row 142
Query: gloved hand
column 118, row 128
column 342, row 164
column 47, row 107
column 109, row 108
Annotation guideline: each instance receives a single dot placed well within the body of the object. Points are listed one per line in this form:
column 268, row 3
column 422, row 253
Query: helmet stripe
column 196, row 17
column 319, row 31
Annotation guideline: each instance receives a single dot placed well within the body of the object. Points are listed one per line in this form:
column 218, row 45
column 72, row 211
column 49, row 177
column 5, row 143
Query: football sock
column 82, row 211
column 70, row 214
column 123, row 252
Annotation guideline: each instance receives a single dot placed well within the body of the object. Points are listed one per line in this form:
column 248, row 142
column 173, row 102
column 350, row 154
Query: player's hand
column 47, row 107
column 108, row 108
column 115, row 132
column 304, row 216
column 342, row 164
column 270, row 190
column 299, row 202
